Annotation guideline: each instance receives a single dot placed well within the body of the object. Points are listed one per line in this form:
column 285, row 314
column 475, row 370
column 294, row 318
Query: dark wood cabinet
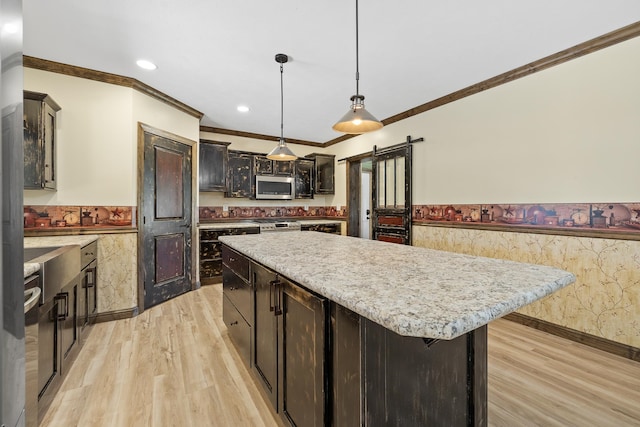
column 345, row 373
column 213, row 164
column 40, row 164
column 332, row 228
column 304, row 178
column 324, row 176
column 68, row 319
column 240, row 175
column 237, row 310
column 283, row 168
column 88, row 292
column 262, row 165
column 211, row 251
column 290, row 353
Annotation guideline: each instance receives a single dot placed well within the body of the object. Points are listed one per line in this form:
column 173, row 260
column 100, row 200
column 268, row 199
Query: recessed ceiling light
column 243, row 108
column 147, row 65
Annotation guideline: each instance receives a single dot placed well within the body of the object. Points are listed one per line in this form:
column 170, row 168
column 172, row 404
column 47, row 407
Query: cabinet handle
column 235, row 322
column 272, row 288
column 231, row 259
column 231, row 288
column 63, row 296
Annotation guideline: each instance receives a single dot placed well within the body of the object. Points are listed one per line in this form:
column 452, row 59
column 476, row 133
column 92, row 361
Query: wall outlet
column 225, row 208
column 306, row 207
column 338, row 208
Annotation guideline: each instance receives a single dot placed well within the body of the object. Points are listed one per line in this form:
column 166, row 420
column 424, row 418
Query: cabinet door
column 213, row 163
column 302, row 356
column 67, row 316
column 304, row 178
column 262, row 165
column 240, row 176
column 285, row 168
column 265, row 350
column 325, row 174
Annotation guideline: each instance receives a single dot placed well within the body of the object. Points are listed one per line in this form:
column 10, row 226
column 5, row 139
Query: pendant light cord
column 281, row 106
column 357, row 55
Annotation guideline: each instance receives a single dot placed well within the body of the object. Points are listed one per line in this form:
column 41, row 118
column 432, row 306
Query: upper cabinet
column 304, row 178
column 39, row 141
column 324, row 173
column 240, row 177
column 213, row 165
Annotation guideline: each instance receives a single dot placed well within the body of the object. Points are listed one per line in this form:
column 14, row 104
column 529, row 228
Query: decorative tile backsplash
column 624, row 217
column 47, row 217
column 212, row 213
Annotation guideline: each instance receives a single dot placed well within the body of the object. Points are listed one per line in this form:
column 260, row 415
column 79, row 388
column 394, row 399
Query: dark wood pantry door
column 165, row 241
column 391, row 188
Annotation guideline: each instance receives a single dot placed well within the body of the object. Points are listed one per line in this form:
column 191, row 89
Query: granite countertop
column 410, row 290
column 45, row 241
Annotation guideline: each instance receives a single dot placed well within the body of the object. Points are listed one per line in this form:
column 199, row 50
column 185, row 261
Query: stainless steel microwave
column 275, row 187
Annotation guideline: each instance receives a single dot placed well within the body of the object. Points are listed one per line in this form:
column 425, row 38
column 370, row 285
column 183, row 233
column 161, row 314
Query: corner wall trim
column 603, row 344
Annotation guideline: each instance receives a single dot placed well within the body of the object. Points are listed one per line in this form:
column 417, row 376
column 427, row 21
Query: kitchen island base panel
column 416, row 381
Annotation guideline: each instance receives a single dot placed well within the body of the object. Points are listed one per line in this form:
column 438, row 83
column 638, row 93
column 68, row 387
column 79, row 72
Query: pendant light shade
column 358, row 119
column 281, row 152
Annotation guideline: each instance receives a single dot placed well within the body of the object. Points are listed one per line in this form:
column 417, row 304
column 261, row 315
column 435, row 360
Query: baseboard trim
column 109, row 316
column 603, row 344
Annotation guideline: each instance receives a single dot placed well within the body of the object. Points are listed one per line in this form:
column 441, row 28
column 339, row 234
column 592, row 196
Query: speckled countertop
column 409, row 290
column 45, row 241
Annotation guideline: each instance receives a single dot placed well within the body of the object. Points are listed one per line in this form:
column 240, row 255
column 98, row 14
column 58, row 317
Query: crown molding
column 259, row 136
column 115, row 79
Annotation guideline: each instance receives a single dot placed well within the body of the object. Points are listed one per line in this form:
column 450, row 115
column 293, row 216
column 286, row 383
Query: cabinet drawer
column 88, row 253
column 238, row 291
column 236, row 262
column 239, row 330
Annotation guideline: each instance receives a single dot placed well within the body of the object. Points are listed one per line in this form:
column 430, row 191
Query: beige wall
column 605, row 299
column 570, row 133
column 97, row 138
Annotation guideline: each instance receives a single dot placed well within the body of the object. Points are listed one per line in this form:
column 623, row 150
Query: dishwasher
column 31, row 330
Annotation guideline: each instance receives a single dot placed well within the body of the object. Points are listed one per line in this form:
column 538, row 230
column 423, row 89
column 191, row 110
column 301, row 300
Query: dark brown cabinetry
column 237, row 301
column 213, row 164
column 324, row 175
column 211, row 251
column 283, row 168
column 333, row 228
column 304, row 178
column 68, row 319
column 290, row 351
column 88, row 293
column 39, row 141
column 240, row 175
column 262, row 165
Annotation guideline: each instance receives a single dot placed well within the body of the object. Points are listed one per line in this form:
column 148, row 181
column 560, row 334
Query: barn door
column 166, row 217
column 391, row 190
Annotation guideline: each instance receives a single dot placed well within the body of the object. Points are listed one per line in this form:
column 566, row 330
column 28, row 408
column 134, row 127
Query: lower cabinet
column 68, row 319
column 211, row 251
column 237, row 301
column 332, row 228
column 290, row 354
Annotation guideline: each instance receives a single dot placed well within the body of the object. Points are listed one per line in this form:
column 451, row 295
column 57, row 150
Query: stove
column 271, row 225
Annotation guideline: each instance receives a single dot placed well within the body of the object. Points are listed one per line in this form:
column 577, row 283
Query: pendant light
column 358, row 119
column 281, row 152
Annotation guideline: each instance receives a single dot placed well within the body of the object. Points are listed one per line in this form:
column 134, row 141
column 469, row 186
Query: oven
column 274, row 225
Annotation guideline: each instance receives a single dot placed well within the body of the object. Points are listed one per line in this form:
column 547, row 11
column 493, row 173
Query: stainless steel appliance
column 31, row 331
column 275, row 187
column 270, row 225
column 59, row 272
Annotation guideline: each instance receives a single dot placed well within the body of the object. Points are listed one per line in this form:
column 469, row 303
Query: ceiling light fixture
column 281, row 152
column 243, row 108
column 147, row 65
column 358, row 119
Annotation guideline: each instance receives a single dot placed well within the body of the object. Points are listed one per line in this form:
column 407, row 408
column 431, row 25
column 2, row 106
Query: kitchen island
column 397, row 333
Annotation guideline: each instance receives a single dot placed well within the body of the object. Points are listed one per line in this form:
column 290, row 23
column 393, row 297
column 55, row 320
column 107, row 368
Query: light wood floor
column 174, row 366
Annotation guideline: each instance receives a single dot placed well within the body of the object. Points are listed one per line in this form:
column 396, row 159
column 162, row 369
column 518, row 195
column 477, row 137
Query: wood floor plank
column 174, row 365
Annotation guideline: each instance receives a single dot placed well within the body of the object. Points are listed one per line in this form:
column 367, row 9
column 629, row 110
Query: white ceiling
column 214, row 55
